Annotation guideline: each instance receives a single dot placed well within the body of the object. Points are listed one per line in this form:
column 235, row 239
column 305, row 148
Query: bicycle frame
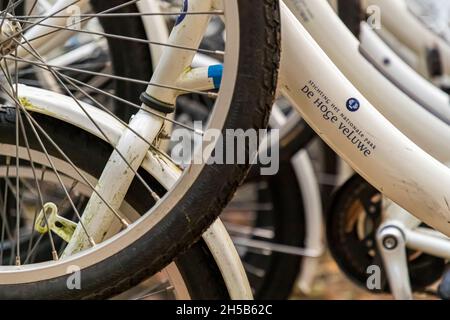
column 399, row 21
column 376, row 52
column 402, row 75
column 173, row 69
column 344, row 50
column 372, row 145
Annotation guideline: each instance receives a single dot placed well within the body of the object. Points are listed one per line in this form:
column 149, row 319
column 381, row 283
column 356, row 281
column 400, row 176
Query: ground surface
column 331, row 284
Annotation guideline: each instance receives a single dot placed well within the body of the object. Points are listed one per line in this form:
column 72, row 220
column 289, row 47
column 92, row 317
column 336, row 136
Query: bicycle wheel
column 178, row 215
column 185, row 284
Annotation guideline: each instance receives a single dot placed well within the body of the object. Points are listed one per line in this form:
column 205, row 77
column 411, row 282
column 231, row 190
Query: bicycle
column 159, row 164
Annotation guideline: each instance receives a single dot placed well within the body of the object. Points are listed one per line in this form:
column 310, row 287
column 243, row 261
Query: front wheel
column 171, row 216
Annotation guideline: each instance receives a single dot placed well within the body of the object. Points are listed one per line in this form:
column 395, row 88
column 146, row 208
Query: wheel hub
column 10, row 35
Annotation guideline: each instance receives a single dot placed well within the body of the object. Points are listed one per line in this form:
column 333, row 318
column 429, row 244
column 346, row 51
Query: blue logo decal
column 215, row 72
column 353, row 105
column 183, row 12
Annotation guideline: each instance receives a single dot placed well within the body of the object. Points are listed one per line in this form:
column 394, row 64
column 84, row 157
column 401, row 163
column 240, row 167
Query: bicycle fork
column 172, row 77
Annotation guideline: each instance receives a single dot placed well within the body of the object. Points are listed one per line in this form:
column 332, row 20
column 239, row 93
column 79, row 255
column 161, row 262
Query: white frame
column 401, row 23
column 342, row 48
column 398, row 167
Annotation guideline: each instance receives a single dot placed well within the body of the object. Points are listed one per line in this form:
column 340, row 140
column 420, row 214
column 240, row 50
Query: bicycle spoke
column 5, row 223
column 9, row 8
column 137, row 107
column 39, row 204
column 125, row 38
column 18, row 262
column 155, row 293
column 33, row 250
column 57, row 76
column 126, row 79
column 33, row 6
column 71, row 25
column 5, row 13
column 127, row 15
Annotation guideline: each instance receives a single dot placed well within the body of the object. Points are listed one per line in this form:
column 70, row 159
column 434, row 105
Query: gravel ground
column 331, row 284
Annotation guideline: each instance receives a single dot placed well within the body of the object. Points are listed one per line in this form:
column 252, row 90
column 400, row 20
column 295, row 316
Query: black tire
column 199, row 207
column 208, row 284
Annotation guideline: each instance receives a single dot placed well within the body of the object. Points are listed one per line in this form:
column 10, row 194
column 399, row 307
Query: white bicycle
column 55, row 150
column 325, row 98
